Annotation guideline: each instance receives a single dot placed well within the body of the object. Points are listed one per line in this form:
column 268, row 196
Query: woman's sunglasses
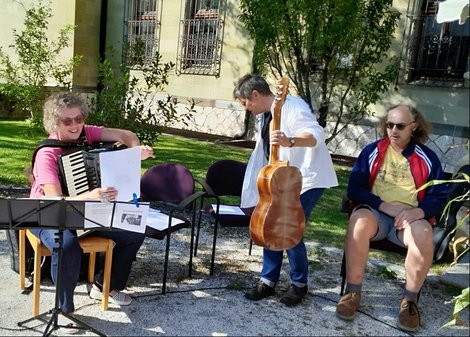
column 69, row 121
column 400, row 126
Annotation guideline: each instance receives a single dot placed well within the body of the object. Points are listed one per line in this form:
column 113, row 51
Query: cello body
column 278, row 220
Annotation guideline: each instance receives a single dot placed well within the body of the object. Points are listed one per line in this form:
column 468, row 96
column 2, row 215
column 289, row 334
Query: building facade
column 211, row 50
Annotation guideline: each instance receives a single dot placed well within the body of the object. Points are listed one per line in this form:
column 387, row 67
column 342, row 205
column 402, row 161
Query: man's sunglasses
column 400, row 126
column 69, row 121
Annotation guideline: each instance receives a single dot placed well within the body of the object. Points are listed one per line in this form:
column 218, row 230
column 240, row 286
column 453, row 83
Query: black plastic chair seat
column 231, row 220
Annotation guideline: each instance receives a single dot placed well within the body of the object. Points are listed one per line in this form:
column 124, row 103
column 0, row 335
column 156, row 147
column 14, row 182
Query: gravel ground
column 205, row 305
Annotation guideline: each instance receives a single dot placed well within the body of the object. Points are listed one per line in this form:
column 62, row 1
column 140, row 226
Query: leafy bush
column 125, row 101
column 461, row 301
column 37, row 62
column 334, row 52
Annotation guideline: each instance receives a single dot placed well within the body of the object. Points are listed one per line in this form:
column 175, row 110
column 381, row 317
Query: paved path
column 215, row 306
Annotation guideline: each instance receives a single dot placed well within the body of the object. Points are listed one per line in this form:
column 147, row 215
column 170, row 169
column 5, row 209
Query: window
column 141, row 30
column 200, row 43
column 437, row 53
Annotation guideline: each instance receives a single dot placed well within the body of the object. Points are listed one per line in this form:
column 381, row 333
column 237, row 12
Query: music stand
column 53, row 214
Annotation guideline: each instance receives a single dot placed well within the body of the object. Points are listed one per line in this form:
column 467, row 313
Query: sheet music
column 121, row 169
column 99, row 212
column 159, row 221
column 228, row 210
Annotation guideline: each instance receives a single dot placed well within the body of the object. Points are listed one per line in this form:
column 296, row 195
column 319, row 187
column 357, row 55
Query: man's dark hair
column 248, row 83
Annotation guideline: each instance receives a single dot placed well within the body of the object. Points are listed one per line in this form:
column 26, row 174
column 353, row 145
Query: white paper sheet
column 99, row 212
column 121, row 170
column 159, row 221
column 452, row 10
column 129, row 217
column 226, row 209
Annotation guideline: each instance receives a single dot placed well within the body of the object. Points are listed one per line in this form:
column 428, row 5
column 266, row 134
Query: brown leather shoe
column 294, row 295
column 408, row 318
column 259, row 291
column 348, row 305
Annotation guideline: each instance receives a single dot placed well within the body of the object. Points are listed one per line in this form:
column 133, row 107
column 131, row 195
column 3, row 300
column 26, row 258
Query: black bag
column 444, row 230
column 13, row 239
column 13, row 242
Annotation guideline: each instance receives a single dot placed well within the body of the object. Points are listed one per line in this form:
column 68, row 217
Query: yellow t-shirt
column 395, row 183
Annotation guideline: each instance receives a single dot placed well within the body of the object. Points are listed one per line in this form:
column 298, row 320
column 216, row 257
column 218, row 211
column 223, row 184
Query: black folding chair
column 171, row 188
column 224, row 178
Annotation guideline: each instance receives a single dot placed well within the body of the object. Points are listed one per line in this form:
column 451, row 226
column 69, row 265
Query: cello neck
column 282, row 87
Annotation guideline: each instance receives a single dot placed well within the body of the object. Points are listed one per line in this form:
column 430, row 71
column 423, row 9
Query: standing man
column 383, row 184
column 301, row 141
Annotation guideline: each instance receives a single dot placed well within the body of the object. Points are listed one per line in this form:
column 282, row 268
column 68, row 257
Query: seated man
column 383, row 185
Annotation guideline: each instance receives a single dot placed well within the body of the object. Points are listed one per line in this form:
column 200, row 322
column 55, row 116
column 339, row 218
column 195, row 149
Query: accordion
column 80, row 171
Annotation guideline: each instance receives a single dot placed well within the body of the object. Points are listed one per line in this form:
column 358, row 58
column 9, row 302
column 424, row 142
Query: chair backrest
column 225, row 177
column 166, row 182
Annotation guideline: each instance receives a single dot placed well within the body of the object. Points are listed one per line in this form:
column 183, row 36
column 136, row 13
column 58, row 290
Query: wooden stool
column 89, row 244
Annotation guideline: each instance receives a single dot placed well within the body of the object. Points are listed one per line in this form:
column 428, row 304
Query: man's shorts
column 386, row 228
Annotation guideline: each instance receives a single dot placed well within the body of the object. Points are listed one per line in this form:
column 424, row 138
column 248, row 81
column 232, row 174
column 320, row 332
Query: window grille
column 201, row 37
column 437, row 53
column 142, row 28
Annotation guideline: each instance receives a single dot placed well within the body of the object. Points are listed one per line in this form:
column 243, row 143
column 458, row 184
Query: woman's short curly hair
column 56, row 104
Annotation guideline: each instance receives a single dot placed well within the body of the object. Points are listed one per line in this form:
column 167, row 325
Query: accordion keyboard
column 74, row 173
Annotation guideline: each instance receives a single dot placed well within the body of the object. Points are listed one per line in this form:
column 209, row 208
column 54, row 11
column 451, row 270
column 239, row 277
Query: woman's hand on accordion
column 146, row 152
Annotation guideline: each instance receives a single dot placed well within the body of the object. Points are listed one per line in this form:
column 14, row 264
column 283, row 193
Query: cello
column 278, row 220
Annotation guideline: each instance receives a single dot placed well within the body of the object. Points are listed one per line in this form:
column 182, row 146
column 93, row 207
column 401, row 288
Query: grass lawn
column 17, row 143
column 326, row 225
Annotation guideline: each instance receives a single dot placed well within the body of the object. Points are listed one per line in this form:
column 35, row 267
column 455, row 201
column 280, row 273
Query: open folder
column 123, row 215
column 84, row 216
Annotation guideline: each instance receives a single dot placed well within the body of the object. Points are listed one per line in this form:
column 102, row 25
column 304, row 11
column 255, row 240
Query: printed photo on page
column 129, row 217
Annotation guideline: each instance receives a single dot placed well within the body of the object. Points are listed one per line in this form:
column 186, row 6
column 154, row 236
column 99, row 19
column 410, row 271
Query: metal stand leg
column 52, row 324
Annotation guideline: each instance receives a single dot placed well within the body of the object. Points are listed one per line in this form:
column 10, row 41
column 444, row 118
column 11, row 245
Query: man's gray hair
column 246, row 84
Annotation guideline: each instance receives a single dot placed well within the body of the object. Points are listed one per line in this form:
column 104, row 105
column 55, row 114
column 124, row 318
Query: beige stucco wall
column 448, row 106
column 86, row 43
column 236, row 55
column 216, row 112
column 12, row 14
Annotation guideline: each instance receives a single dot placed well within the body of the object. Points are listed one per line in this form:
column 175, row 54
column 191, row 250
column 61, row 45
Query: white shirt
column 314, row 163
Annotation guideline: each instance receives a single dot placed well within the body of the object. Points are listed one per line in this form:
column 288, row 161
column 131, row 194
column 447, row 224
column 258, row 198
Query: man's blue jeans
column 298, row 260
